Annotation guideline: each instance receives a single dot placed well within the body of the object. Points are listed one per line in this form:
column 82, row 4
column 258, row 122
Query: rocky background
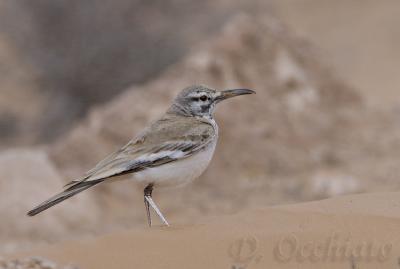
column 79, row 80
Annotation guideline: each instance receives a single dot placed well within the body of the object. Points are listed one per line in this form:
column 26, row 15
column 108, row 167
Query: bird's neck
column 179, row 110
column 182, row 111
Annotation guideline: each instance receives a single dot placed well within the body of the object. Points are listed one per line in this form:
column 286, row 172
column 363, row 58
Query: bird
column 172, row 151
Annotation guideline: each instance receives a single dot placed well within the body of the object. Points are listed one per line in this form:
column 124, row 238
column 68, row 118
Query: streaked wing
column 154, row 147
column 130, row 162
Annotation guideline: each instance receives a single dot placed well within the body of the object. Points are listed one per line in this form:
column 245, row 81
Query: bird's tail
column 58, row 198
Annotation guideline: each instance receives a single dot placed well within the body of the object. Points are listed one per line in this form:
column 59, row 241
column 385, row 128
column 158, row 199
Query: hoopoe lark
column 172, row 151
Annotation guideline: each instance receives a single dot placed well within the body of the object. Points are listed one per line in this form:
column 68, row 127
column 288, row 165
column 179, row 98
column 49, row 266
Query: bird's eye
column 203, row 98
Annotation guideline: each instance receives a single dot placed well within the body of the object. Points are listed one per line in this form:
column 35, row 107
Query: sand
column 357, row 231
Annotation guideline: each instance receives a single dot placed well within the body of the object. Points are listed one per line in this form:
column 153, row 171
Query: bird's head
column 199, row 100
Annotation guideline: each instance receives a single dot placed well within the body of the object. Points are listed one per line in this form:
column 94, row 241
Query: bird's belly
column 178, row 172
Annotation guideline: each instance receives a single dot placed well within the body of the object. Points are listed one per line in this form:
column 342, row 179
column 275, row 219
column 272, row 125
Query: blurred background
column 80, row 78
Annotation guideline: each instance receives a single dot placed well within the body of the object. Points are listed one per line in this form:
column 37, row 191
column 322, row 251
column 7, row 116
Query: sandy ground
column 358, row 231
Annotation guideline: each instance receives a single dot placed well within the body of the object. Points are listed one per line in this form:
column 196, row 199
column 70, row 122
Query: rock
column 28, row 177
column 32, row 263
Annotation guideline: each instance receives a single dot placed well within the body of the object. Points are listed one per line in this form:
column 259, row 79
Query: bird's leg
column 147, row 193
column 149, row 202
column 154, row 206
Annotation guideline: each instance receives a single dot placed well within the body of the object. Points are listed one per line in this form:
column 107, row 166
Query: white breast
column 179, row 172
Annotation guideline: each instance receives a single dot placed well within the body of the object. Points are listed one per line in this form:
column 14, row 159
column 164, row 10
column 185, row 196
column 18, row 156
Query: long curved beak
column 232, row 93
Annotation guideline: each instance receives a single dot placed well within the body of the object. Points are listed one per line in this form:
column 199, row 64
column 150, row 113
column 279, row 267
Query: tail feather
column 58, row 198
